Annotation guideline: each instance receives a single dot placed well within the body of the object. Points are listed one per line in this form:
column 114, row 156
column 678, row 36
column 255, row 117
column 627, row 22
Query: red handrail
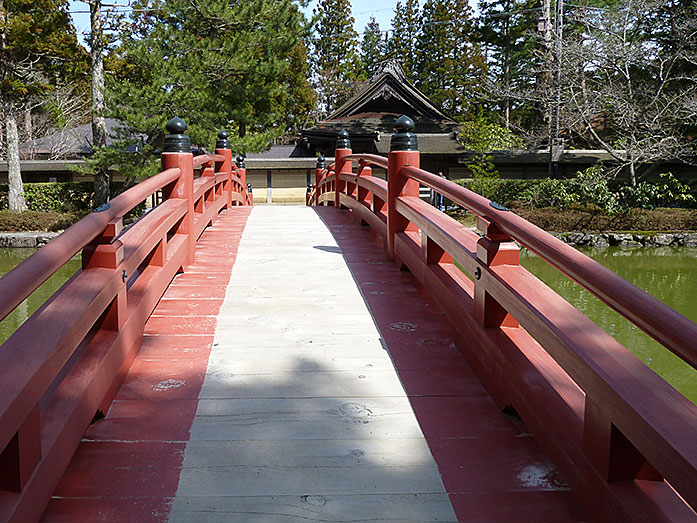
column 65, row 362
column 590, row 402
column 667, row 326
column 28, row 276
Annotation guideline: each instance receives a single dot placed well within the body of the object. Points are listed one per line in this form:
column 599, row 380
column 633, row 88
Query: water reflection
column 9, row 258
column 668, row 273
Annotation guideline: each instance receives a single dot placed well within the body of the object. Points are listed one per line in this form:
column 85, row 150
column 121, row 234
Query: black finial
column 222, row 142
column 321, row 162
column 176, row 141
column 239, row 161
column 404, row 138
column 343, row 141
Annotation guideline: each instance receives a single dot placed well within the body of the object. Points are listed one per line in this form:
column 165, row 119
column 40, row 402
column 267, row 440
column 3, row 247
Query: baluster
column 222, row 147
column 177, row 153
column 610, row 452
column 107, row 252
column 404, row 150
column 494, row 248
column 22, row 454
column 362, row 194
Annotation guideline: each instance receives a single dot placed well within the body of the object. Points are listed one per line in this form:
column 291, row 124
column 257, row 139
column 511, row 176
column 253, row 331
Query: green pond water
column 9, row 258
column 670, row 274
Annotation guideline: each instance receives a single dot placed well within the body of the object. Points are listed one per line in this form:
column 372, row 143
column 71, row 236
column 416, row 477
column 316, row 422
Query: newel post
column 222, row 147
column 341, row 166
column 404, row 150
column 321, row 165
column 494, row 248
column 242, row 171
column 177, row 153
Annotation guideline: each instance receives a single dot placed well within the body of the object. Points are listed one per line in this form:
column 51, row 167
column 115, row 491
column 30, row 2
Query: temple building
column 370, row 115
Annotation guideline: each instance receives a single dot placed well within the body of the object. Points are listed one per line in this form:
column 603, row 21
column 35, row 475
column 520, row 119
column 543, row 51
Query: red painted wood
column 127, row 466
column 667, row 326
column 28, row 276
column 183, row 189
column 342, row 166
column 398, row 184
column 481, row 453
column 628, row 434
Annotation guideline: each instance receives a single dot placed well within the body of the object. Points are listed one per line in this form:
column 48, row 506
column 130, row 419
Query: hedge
column 55, row 197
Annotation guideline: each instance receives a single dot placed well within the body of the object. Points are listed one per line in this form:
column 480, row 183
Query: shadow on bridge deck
column 129, row 464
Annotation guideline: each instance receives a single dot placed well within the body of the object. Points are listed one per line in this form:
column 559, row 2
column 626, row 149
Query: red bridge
column 364, row 357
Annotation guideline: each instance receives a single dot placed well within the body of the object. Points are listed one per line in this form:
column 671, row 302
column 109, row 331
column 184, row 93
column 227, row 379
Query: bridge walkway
column 294, row 373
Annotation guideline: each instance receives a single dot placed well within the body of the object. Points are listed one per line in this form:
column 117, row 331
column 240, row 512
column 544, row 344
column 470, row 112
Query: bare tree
column 629, row 87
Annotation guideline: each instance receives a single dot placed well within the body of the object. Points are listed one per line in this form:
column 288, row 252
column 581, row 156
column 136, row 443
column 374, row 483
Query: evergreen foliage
column 335, row 58
column 507, row 32
column 39, row 54
column 372, row 47
column 240, row 68
column 406, row 26
column 451, row 66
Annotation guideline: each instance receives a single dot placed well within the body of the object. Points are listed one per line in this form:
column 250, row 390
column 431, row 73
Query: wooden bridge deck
column 304, row 377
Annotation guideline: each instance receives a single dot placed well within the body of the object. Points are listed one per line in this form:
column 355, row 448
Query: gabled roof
column 390, row 89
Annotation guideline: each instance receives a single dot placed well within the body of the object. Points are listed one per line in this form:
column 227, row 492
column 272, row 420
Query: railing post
column 404, row 150
column 494, row 248
column 107, row 252
column 611, row 453
column 22, row 454
column 343, row 148
column 321, row 165
column 242, row 173
column 177, row 153
column 222, row 147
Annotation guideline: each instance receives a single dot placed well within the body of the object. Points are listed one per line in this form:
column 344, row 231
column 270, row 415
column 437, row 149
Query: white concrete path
column 302, row 416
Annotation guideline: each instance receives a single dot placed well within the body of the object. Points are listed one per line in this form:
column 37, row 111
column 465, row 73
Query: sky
column 362, row 10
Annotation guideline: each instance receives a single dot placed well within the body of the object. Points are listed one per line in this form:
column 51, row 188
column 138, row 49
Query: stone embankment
column 608, row 239
column 26, row 239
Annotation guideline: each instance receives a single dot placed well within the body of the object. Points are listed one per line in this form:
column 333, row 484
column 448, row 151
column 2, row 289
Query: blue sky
column 362, row 10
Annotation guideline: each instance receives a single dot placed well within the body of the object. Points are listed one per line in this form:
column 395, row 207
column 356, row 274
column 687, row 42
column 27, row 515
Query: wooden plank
column 281, row 509
column 305, row 418
column 300, row 396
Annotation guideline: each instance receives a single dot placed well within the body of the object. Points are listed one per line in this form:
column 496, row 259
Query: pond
column 9, row 258
column 669, row 274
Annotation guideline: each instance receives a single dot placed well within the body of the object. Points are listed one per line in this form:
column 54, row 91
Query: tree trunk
column 507, row 70
column 28, row 128
column 14, row 174
column 99, row 132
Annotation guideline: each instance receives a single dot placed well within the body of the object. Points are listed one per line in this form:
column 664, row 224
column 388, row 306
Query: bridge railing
column 625, row 439
column 66, row 362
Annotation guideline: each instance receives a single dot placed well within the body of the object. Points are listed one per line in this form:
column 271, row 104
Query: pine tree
column 507, row 32
column 335, row 59
column 452, row 68
column 38, row 52
column 372, row 47
column 401, row 46
column 215, row 67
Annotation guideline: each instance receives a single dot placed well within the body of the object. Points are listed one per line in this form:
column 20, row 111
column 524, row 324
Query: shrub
column 36, row 221
column 550, row 192
column 591, row 186
column 670, row 192
column 55, row 197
